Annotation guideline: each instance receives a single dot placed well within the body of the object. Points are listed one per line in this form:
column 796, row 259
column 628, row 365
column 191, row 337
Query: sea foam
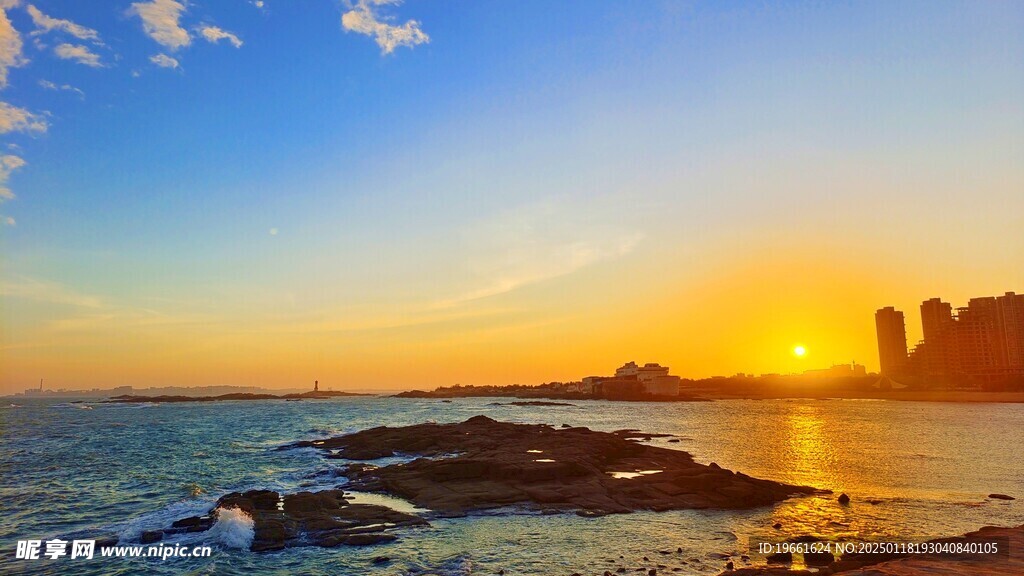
column 234, row 528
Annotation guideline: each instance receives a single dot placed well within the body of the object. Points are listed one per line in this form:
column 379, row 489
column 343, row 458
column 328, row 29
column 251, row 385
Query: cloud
column 40, row 291
column 537, row 243
column 364, row 19
column 14, row 119
column 78, row 53
column 164, row 61
column 160, row 20
column 214, row 34
column 46, row 24
column 63, row 87
column 10, row 44
column 273, row 231
column 8, row 163
column 9, row 221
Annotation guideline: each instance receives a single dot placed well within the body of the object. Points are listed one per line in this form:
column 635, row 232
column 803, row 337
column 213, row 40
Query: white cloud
column 46, row 24
column 10, row 44
column 273, row 231
column 8, row 163
column 164, row 61
column 363, row 18
column 160, row 20
column 62, row 87
column 78, row 53
column 14, row 119
column 9, row 221
column 214, row 34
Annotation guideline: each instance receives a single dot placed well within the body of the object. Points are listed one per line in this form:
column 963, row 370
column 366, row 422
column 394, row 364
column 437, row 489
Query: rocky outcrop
column 324, row 518
column 483, row 464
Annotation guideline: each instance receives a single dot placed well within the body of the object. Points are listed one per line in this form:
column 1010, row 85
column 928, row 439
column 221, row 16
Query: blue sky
column 492, row 166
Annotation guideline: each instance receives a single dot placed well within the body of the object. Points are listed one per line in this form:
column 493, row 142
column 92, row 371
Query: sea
column 913, row 470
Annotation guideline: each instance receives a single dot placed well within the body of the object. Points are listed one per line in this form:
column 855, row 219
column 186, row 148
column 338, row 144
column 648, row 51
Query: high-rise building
column 892, row 340
column 981, row 341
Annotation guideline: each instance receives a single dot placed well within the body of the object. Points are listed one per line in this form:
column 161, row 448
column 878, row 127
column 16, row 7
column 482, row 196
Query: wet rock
column 109, row 542
column 499, row 464
column 150, row 536
column 777, row 525
column 818, row 558
column 780, row 558
column 843, row 499
column 728, row 566
column 381, row 560
column 323, row 519
column 1001, row 497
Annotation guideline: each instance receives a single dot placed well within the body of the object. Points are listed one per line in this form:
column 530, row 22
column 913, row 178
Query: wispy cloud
column 364, row 18
column 9, row 221
column 50, row 292
column 164, row 61
column 46, row 24
column 161, row 21
column 8, row 163
column 46, row 84
column 534, row 244
column 14, row 119
column 214, row 34
column 10, row 45
column 78, row 53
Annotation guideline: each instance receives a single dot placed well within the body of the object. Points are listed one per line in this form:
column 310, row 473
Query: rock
column 679, row 550
column 501, row 464
column 381, row 560
column 818, row 558
column 777, row 525
column 109, row 542
column 674, row 440
column 728, row 566
column 843, row 499
column 780, row 558
column 150, row 536
column 324, row 518
column 1001, row 497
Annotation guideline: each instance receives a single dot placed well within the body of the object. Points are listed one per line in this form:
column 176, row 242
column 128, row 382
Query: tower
column 892, row 340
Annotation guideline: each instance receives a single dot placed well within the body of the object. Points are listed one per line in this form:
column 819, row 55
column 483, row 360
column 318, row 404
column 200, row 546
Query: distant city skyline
column 414, row 194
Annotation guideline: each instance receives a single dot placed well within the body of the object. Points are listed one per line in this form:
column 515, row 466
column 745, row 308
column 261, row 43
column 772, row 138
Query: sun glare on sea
column 799, row 351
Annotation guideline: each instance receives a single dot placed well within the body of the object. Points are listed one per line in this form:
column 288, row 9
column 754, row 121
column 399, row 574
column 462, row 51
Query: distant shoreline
column 962, row 396
column 128, row 398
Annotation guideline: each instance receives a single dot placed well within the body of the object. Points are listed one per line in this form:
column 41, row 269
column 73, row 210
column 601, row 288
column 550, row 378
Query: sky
column 381, row 194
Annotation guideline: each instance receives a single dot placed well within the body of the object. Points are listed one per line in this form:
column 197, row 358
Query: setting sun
column 799, row 351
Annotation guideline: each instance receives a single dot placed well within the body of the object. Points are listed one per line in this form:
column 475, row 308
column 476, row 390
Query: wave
column 234, row 528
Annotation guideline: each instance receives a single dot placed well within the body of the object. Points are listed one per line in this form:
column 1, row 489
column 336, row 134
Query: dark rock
column 780, row 558
column 818, row 558
column 777, row 525
column 728, row 566
column 1001, row 497
column 150, row 536
column 323, row 518
column 103, row 543
column 381, row 560
column 679, row 550
column 843, row 499
column 494, row 467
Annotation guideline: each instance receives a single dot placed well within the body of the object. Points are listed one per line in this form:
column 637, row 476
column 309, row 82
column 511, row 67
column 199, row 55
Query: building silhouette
column 892, row 340
column 983, row 341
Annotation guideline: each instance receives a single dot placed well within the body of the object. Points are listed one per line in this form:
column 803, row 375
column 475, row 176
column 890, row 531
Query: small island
column 316, row 395
column 483, row 464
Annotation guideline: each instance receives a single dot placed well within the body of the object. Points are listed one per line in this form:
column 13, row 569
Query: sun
column 799, row 350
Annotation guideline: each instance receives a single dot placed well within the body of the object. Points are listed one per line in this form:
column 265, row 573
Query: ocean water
column 74, row 471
